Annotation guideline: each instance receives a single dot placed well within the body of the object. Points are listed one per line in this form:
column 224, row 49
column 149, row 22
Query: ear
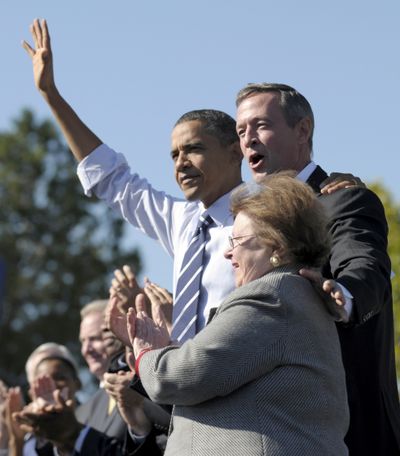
column 236, row 153
column 283, row 254
column 304, row 130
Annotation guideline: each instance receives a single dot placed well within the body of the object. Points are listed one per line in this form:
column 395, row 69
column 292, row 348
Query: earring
column 275, row 260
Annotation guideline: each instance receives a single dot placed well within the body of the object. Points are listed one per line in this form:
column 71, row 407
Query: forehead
column 261, row 104
column 53, row 367
column 189, row 132
column 91, row 324
column 241, row 224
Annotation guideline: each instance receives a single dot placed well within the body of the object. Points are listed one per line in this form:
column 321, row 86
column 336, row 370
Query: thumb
column 140, row 303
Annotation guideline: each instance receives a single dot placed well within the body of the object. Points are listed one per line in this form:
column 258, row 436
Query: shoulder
column 351, row 196
column 353, row 202
column 269, row 289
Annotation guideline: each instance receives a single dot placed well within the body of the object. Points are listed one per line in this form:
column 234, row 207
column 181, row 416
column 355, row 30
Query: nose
column 228, row 253
column 182, row 161
column 249, row 138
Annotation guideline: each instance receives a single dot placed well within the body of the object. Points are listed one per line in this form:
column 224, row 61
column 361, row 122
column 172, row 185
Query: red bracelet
column 138, row 359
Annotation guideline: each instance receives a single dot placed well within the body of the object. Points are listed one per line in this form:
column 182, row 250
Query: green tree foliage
column 58, row 246
column 393, row 217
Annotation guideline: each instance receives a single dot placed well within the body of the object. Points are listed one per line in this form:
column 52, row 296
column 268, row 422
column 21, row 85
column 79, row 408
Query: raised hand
column 41, row 55
column 43, row 389
column 129, row 402
column 161, row 304
column 55, row 422
column 13, row 405
column 337, row 181
column 145, row 333
column 125, row 286
column 115, row 320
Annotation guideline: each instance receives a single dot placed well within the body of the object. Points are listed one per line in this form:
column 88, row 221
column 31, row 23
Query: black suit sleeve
column 359, row 258
column 98, row 444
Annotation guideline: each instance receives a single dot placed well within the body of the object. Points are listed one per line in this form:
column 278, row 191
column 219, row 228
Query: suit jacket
column 109, row 434
column 360, row 262
column 94, row 413
column 98, row 444
column 264, row 377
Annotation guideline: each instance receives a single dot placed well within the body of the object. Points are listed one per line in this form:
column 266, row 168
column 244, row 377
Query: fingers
column 331, row 287
column 143, row 330
column 337, row 181
column 313, row 275
column 131, row 324
column 130, row 360
column 156, row 297
column 130, row 276
column 121, row 278
column 140, row 303
column 15, row 401
column 37, row 34
column 159, row 293
column 46, row 35
column 28, row 49
column 59, row 398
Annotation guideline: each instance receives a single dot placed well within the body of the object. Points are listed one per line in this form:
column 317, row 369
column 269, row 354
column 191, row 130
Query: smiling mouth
column 187, row 180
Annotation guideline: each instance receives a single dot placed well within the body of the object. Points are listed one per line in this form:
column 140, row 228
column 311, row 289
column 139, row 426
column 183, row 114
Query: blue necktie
column 187, row 293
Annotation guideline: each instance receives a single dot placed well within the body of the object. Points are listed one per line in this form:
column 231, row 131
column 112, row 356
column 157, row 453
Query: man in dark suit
column 99, row 411
column 275, row 125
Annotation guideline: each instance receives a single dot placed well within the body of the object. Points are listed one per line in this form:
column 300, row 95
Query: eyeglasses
column 232, row 239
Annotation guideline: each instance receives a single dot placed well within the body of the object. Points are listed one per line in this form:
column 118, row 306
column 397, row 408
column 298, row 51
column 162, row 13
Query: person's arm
column 81, row 140
column 359, row 259
column 244, row 341
column 129, row 402
column 336, row 297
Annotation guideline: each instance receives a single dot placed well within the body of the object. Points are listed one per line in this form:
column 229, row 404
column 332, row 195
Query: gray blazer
column 265, row 377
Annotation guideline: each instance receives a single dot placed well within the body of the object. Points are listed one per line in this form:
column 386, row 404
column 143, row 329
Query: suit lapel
column 316, row 179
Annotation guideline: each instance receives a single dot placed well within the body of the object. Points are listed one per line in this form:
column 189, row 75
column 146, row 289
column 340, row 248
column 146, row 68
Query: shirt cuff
column 97, row 165
column 348, row 304
column 81, row 438
column 137, row 438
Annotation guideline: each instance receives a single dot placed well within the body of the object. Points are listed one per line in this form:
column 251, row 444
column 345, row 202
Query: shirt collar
column 306, row 172
column 220, row 209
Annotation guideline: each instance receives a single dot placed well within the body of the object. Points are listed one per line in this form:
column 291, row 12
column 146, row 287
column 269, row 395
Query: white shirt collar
column 306, row 172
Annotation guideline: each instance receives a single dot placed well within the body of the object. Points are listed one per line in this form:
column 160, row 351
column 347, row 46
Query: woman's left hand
column 145, row 333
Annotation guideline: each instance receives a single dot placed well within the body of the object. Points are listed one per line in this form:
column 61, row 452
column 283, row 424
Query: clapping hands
column 137, row 316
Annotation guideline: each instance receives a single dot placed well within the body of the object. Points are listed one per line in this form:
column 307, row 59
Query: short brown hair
column 286, row 214
column 293, row 104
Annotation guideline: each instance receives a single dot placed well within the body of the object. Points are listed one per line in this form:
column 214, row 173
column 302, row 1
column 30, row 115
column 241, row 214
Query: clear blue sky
column 130, row 69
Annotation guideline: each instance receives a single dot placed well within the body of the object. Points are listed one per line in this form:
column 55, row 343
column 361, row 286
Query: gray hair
column 99, row 305
column 46, row 351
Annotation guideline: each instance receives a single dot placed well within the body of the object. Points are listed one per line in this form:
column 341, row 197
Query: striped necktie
column 188, row 285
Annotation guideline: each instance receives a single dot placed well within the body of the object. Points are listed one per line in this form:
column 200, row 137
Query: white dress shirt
column 169, row 220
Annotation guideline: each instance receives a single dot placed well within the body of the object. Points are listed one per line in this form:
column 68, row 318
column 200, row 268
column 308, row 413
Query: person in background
column 99, row 412
column 49, row 367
